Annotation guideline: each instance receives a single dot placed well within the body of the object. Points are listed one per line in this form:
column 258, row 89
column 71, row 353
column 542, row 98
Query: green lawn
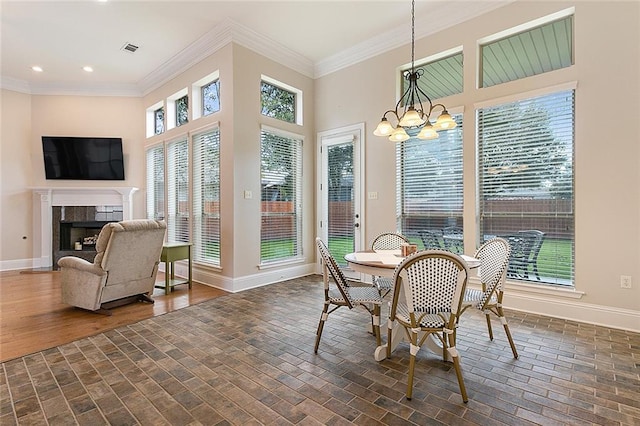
column 555, row 259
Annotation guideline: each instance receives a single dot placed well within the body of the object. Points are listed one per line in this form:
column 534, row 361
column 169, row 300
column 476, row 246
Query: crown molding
column 221, row 35
column 70, row 89
column 211, row 42
column 444, row 15
column 15, row 85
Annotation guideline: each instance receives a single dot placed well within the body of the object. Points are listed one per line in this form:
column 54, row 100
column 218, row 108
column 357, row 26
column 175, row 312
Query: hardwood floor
column 33, row 317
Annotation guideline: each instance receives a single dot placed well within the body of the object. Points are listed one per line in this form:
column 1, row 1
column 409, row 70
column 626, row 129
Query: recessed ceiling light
column 87, row 69
column 37, row 68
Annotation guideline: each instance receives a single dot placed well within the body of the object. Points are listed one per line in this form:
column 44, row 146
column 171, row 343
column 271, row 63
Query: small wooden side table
column 170, row 253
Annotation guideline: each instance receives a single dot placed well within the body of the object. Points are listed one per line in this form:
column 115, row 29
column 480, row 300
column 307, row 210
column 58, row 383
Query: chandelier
column 417, row 107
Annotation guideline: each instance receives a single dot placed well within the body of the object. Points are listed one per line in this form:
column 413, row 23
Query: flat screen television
column 78, row 158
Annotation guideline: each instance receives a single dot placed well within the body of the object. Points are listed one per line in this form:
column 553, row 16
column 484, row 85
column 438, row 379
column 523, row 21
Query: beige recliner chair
column 124, row 269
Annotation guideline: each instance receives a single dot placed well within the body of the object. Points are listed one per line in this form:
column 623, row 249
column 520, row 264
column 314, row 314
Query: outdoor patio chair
column 339, row 292
column 494, row 257
column 525, row 247
column 386, row 241
column 431, row 240
column 453, row 240
column 426, row 303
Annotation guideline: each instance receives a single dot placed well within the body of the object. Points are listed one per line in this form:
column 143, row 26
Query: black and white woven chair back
column 388, row 241
column 335, row 272
column 433, row 281
column 494, row 258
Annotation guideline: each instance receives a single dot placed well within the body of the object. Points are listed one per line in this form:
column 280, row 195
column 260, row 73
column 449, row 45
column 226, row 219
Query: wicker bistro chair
column 427, row 302
column 386, row 241
column 339, row 292
column 494, row 257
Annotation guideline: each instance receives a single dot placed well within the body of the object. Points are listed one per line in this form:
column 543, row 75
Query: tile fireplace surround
column 46, row 198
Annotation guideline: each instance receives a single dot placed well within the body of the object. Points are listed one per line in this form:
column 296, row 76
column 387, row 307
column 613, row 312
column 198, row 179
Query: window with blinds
column 178, row 191
column 206, row 197
column 155, row 182
column 281, row 195
column 429, row 187
column 525, row 178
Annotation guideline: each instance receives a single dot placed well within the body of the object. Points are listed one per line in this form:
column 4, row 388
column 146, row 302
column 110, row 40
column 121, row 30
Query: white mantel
column 46, row 198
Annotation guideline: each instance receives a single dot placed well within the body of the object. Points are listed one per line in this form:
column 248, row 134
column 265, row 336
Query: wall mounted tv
column 77, row 158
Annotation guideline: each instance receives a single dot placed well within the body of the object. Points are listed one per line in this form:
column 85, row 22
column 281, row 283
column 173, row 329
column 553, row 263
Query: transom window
column 211, row 98
column 440, row 78
column 182, row 110
column 158, row 120
column 535, row 51
column 277, row 102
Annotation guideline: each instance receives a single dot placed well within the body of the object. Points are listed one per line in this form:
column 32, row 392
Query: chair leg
column 489, row 326
column 323, row 318
column 503, row 320
column 456, row 365
column 414, row 348
column 389, row 337
column 376, row 324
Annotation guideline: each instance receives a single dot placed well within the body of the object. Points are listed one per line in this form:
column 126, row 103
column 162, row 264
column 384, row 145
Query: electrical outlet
column 373, row 195
column 625, row 281
column 247, row 194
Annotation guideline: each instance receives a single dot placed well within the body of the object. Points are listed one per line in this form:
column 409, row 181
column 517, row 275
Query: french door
column 340, row 202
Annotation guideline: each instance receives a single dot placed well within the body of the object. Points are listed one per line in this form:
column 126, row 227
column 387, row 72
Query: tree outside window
column 158, row 119
column 182, row 111
column 211, row 98
column 278, row 103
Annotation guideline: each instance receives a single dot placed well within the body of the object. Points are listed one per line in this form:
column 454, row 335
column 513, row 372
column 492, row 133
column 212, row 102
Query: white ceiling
column 313, row 37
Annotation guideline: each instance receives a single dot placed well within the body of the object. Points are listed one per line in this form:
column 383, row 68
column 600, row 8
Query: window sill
column 543, row 289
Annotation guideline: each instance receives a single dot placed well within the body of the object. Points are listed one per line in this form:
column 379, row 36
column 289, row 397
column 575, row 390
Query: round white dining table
column 382, row 263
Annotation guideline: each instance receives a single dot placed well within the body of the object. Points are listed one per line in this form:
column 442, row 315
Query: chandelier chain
column 413, row 33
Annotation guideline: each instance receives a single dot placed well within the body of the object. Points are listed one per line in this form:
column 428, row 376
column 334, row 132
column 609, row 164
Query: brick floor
column 248, row 359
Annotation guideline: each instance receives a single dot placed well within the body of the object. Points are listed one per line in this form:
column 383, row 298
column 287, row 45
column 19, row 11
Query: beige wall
column 607, row 158
column 15, row 176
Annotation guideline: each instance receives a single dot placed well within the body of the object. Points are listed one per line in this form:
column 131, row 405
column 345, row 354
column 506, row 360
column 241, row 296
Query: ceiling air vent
column 128, row 47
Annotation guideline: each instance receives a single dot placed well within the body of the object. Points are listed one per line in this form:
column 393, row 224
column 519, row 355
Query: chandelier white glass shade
column 414, row 109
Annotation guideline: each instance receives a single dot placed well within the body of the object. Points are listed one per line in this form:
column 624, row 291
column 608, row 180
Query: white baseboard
column 12, row 265
column 625, row 319
column 265, row 277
